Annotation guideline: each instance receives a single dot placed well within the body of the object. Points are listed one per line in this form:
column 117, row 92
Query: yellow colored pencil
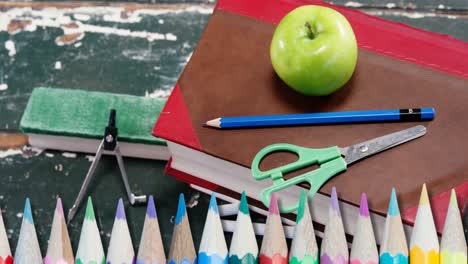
column 424, row 245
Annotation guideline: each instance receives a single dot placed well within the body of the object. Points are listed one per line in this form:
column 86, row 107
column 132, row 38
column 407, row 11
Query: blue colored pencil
column 365, row 116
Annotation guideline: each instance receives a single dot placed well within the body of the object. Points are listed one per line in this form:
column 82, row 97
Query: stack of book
column 230, row 74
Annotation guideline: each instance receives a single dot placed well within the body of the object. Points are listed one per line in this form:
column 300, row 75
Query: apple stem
column 311, row 32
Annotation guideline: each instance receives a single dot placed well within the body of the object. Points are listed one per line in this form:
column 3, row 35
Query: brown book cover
column 230, row 74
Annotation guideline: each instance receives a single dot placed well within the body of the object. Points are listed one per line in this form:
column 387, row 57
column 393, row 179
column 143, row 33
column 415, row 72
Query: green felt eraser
column 85, row 114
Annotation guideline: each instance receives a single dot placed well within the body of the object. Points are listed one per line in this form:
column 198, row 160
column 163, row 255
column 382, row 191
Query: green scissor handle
column 329, row 159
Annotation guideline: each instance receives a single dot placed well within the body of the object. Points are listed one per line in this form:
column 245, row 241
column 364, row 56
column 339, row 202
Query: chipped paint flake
column 10, row 46
column 353, row 4
column 9, row 152
column 69, row 155
column 58, row 65
column 3, row 86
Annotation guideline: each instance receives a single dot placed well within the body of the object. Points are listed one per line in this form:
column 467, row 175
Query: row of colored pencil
column 90, row 250
column 424, row 246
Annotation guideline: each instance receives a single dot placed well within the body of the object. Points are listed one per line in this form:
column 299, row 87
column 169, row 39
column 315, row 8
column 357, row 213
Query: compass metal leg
column 87, row 180
column 131, row 196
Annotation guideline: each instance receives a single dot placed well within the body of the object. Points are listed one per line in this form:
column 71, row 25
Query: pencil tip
column 214, row 123
column 300, row 210
column 273, row 205
column 244, row 206
column 334, row 202
column 151, row 208
column 120, row 214
column 213, row 205
column 453, row 198
column 364, row 207
column 89, row 210
column 424, row 199
column 27, row 214
column 58, row 207
column 393, row 209
column 180, row 209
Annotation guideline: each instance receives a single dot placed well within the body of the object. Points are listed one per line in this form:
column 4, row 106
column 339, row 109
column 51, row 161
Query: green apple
column 314, row 50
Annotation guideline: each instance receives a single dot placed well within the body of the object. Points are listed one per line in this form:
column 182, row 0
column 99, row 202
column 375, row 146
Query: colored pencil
column 394, row 249
column 213, row 248
column 424, row 244
column 5, row 252
column 303, row 247
column 151, row 249
column 59, row 250
column 27, row 250
column 274, row 249
column 453, row 244
column 120, row 249
column 396, row 115
column 364, row 248
column 90, row 250
column 334, row 248
column 182, row 250
column 244, row 248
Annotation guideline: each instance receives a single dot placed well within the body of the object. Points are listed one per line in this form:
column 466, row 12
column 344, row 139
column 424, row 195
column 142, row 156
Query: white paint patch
column 3, row 86
column 123, row 17
column 390, row 5
column 58, row 65
column 69, row 155
column 171, row 37
column 60, row 18
column 90, row 158
column 77, row 45
column 10, row 152
column 441, row 6
column 81, row 17
column 10, row 46
column 353, row 4
column 19, row 215
column 49, row 155
column 158, row 94
column 161, row 21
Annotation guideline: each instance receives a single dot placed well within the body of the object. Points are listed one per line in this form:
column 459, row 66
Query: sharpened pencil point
column 334, row 201
column 58, row 207
column 244, row 206
column 214, row 123
column 180, row 209
column 273, row 205
column 89, row 210
column 27, row 212
column 364, row 207
column 424, row 199
column 300, row 210
column 151, row 209
column 213, row 204
column 120, row 214
column 393, row 208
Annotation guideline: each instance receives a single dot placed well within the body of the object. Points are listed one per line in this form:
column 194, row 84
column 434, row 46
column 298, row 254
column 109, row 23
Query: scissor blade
column 367, row 148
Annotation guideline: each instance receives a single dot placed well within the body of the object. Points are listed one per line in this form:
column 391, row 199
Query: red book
column 399, row 66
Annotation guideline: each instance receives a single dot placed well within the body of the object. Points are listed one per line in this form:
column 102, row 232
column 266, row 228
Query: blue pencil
column 365, row 116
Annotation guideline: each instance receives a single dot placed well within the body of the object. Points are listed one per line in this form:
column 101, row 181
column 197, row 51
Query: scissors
column 332, row 161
